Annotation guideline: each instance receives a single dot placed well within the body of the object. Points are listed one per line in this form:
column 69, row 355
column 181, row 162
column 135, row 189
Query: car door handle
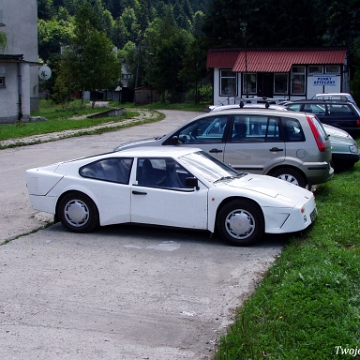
column 215, row 151
column 139, row 192
column 275, row 149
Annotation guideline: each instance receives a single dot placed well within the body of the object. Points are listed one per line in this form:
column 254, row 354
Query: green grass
column 308, row 304
column 168, row 106
column 59, row 118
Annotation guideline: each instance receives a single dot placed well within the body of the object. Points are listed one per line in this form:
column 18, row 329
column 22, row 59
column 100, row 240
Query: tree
column 165, row 49
column 89, row 63
column 273, row 23
column 194, row 69
column 52, row 35
column 194, row 65
column 45, row 9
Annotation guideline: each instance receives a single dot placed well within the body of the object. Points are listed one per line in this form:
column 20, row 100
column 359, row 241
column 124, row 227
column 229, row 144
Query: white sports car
column 171, row 186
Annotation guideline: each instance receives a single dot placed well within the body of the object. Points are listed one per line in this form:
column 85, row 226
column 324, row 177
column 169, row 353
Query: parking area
column 122, row 292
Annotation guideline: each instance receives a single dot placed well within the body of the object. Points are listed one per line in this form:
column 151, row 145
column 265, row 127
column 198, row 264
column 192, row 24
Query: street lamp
column 243, row 25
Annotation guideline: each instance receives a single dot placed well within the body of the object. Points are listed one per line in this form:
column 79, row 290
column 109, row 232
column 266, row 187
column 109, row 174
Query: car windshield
column 210, row 168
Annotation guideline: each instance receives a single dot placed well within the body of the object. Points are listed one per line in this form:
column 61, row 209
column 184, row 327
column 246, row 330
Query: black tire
column 290, row 175
column 78, row 213
column 240, row 223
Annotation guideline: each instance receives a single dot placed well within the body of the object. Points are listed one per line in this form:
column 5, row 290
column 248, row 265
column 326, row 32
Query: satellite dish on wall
column 44, row 72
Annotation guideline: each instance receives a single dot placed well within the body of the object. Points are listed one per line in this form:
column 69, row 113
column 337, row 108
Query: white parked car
column 345, row 151
column 171, row 186
column 334, row 96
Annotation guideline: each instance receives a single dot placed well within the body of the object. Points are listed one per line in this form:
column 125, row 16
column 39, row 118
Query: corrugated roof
column 274, row 60
column 222, row 58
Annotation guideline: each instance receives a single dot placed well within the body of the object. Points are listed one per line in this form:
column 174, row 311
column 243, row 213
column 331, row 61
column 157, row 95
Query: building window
column 315, row 69
column 332, row 69
column 228, row 84
column 2, row 81
column 249, row 84
column 126, row 76
column 281, row 84
column 298, row 80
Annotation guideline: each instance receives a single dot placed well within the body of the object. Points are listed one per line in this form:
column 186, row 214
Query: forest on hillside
column 151, row 34
column 122, row 20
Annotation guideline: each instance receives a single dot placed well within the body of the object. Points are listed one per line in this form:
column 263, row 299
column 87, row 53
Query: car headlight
column 353, row 148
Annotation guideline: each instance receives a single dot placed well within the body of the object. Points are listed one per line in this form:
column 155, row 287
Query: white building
column 286, row 74
column 19, row 89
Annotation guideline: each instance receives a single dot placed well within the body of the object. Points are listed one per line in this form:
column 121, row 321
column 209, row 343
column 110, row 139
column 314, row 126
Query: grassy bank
column 308, row 304
column 68, row 117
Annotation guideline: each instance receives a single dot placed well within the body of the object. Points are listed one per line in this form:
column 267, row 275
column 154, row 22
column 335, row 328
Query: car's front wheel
column 78, row 213
column 240, row 222
column 290, row 175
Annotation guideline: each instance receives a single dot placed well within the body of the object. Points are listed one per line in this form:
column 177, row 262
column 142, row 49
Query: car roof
column 158, row 151
column 249, row 106
column 260, row 111
column 141, row 151
column 319, row 101
column 331, row 94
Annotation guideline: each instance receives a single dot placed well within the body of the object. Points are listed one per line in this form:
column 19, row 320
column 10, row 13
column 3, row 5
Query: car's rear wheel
column 78, row 213
column 290, row 175
column 240, row 222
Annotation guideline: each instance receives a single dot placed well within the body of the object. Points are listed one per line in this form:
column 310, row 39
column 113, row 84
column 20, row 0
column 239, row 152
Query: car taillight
column 358, row 122
column 320, row 141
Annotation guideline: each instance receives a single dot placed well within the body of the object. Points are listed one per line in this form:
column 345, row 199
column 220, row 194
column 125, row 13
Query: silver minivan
column 289, row 145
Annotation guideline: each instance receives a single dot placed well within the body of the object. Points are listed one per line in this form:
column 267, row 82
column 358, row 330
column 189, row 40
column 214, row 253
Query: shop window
column 2, row 81
column 315, row 69
column 332, row 69
column 298, row 80
column 281, row 84
column 249, row 84
column 228, row 83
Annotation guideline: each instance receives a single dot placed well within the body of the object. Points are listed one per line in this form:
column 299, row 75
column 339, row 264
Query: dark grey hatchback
column 341, row 114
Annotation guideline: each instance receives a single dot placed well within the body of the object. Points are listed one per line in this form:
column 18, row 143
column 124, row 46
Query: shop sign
column 324, row 80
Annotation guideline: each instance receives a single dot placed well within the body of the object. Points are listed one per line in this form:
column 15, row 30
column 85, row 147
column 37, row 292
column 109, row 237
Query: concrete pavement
column 122, row 292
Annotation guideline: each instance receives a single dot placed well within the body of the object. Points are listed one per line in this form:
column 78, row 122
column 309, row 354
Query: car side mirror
column 192, row 182
column 174, row 140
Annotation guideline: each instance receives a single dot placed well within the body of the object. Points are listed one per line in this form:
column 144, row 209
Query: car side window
column 316, row 109
column 293, row 130
column 206, row 130
column 294, row 107
column 113, row 169
column 338, row 109
column 161, row 172
column 252, row 128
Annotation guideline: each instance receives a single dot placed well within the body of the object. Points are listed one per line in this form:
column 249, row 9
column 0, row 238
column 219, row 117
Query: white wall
column 20, row 19
column 318, row 84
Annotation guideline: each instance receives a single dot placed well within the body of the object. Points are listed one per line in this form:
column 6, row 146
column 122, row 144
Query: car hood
column 288, row 194
column 334, row 131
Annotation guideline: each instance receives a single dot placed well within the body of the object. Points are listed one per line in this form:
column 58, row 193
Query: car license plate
column 313, row 215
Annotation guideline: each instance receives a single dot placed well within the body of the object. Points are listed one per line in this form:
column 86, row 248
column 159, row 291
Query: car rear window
column 335, row 110
column 317, row 109
column 293, row 130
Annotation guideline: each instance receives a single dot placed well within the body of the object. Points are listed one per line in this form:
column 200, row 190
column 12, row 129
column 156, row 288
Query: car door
column 255, row 143
column 157, row 198
column 342, row 115
column 107, row 180
column 207, row 134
